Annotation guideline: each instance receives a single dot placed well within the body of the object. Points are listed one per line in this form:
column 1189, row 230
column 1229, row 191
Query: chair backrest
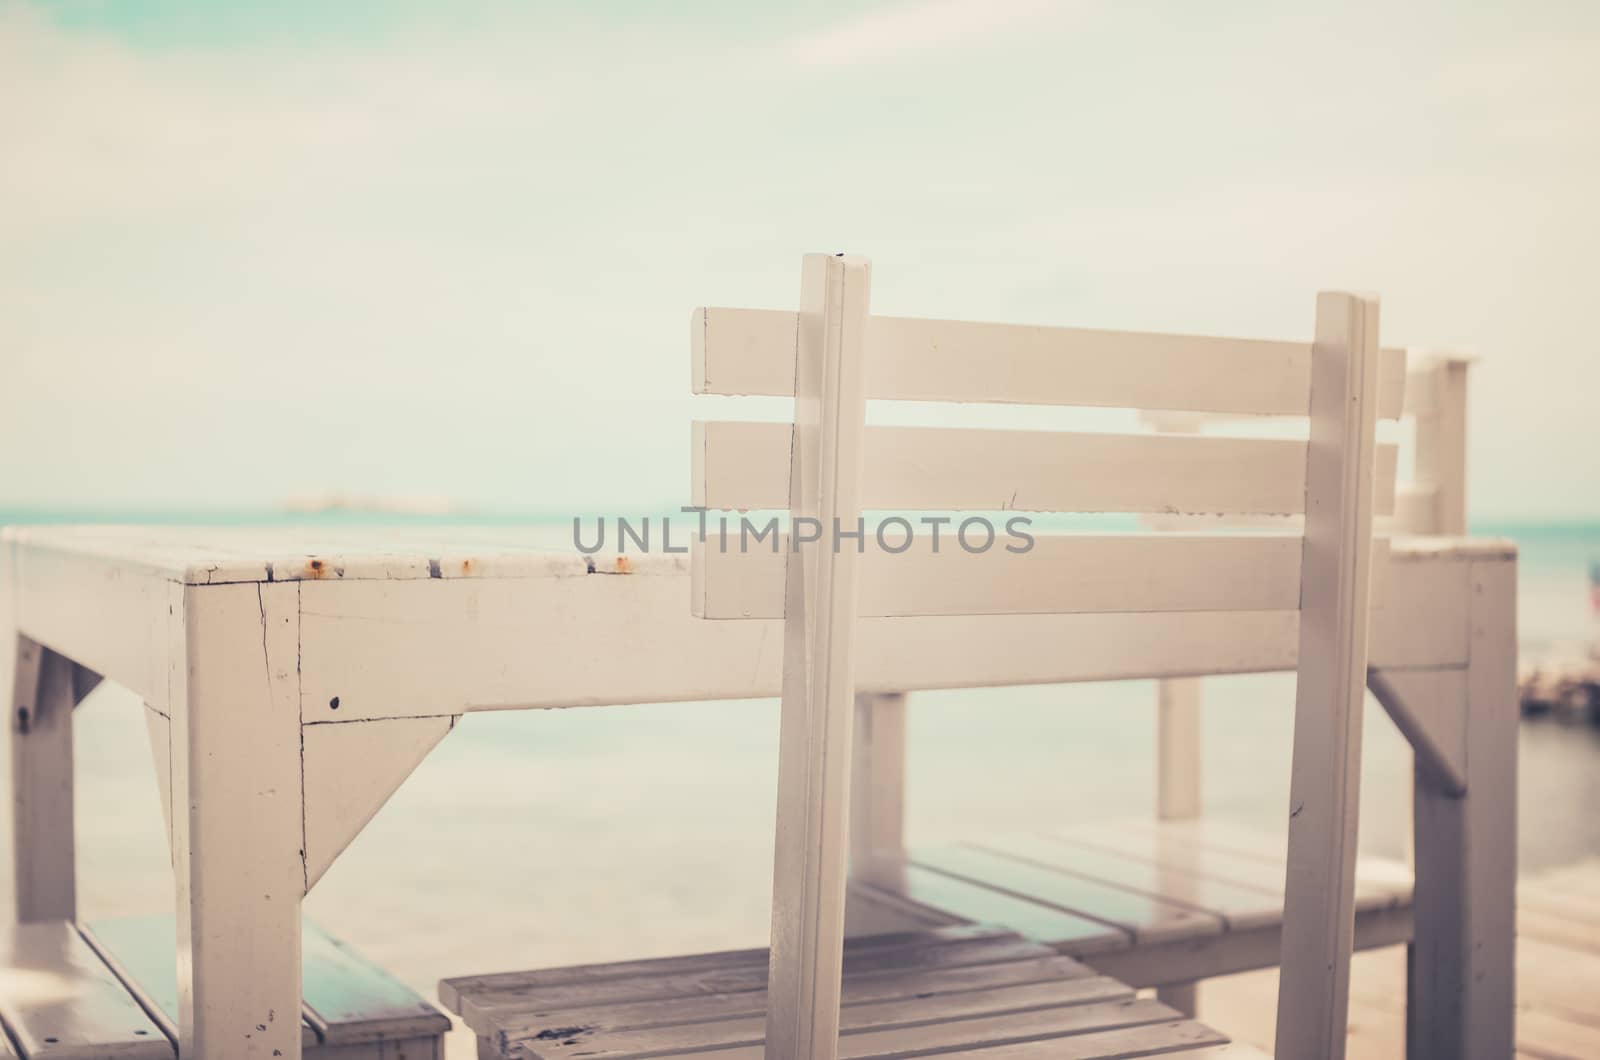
column 830, row 467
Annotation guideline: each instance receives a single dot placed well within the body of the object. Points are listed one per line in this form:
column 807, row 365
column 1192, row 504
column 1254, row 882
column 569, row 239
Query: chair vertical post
column 1319, row 918
column 41, row 784
column 878, row 786
column 813, row 825
column 1463, row 959
column 1442, row 445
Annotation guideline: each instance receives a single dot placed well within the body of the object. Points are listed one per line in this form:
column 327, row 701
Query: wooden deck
column 1558, row 980
column 959, row 991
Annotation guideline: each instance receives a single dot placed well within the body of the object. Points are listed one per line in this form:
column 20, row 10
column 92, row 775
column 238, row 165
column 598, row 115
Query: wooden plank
column 1319, row 903
column 483, row 1002
column 1057, row 574
column 861, row 991
column 1145, row 917
column 1147, row 1039
column 751, row 351
column 506, row 655
column 61, row 1002
column 349, row 1000
column 40, row 717
column 453, row 993
column 1236, row 905
column 813, row 827
column 744, row 466
column 1185, row 1040
column 980, row 904
column 1216, row 849
column 896, row 1028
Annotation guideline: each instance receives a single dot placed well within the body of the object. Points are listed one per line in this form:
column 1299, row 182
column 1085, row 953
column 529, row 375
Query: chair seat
column 953, row 991
column 1152, row 903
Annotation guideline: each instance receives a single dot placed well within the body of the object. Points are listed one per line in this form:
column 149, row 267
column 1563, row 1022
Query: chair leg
column 877, row 783
column 41, row 785
column 1463, row 987
column 1185, row 997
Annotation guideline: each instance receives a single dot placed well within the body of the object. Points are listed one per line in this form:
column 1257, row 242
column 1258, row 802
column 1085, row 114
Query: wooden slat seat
column 983, row 991
column 1151, row 902
column 108, row 991
column 59, row 1001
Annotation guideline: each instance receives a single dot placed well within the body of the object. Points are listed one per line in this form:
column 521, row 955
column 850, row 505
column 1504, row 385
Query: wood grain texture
column 895, row 1004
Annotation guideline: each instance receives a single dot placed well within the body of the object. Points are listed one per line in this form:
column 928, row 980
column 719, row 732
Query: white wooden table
column 259, row 652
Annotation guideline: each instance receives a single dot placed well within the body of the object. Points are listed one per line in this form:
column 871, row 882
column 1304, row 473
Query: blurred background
column 268, row 263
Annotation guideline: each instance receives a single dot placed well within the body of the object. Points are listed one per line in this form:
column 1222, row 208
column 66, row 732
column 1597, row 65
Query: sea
column 553, row 837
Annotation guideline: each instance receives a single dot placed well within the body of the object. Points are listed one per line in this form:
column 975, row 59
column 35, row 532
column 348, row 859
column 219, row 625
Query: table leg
column 42, row 854
column 1463, row 987
column 237, row 820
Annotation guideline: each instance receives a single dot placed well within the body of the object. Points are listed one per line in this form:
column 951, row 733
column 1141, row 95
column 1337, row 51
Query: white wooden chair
column 829, row 468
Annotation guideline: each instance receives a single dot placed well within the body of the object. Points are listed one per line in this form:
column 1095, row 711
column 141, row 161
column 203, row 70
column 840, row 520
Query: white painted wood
column 122, row 633
column 878, row 783
column 1441, row 459
column 1319, row 914
column 744, row 466
column 751, row 351
column 62, row 1003
column 1462, row 977
column 351, row 769
column 237, row 835
column 810, row 868
column 158, row 727
column 1178, row 758
column 505, row 654
column 44, row 871
column 1427, row 706
column 1057, row 574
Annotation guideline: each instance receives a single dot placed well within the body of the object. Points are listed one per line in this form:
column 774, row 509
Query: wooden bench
column 108, row 991
column 951, row 991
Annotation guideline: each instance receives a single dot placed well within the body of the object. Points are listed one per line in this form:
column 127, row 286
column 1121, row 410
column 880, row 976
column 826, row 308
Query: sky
column 421, row 250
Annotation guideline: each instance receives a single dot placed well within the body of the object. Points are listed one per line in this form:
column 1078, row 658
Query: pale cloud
column 904, row 29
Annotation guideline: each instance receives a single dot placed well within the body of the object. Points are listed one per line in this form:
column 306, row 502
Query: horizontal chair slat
column 751, row 351
column 1059, row 574
column 745, row 466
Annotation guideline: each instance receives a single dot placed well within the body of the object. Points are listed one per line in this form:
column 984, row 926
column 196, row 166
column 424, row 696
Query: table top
column 198, row 555
column 195, row 555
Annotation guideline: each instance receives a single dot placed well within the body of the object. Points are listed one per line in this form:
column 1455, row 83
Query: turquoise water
column 569, row 836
